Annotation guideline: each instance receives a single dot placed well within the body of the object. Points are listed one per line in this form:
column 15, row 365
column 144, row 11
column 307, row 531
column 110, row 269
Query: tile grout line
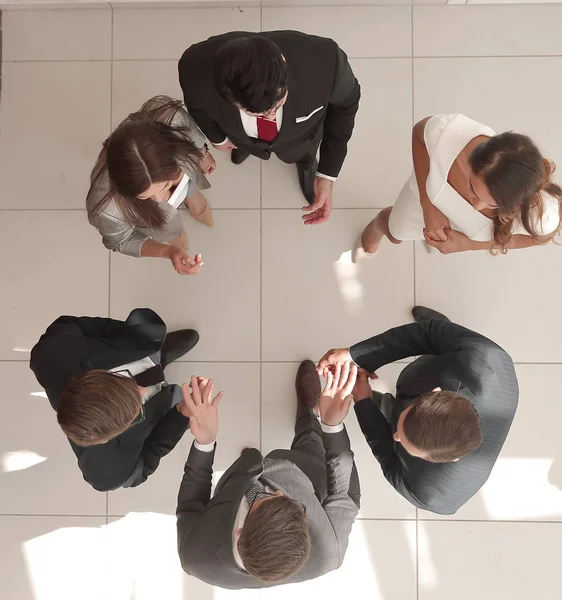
column 417, row 558
column 110, row 125
column 261, row 283
column 402, row 57
column 413, row 116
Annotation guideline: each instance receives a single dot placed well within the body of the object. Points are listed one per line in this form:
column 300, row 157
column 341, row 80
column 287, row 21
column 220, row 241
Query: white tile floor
column 271, row 293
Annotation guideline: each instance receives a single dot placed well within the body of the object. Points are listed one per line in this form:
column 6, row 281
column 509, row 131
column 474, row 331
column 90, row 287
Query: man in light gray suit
column 282, row 518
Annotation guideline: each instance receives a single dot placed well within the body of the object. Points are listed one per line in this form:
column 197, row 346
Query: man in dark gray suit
column 282, row 518
column 438, row 439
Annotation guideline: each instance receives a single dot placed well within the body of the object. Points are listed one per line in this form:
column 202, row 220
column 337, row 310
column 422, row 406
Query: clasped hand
column 201, row 409
column 336, row 397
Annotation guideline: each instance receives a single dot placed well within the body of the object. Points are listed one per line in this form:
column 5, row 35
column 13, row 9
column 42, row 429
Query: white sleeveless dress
column 445, row 137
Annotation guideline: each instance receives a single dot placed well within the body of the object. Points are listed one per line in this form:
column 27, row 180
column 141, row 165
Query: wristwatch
column 204, row 156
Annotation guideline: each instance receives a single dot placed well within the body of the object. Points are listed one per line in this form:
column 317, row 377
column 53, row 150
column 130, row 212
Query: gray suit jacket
column 205, row 525
column 117, row 234
column 456, row 359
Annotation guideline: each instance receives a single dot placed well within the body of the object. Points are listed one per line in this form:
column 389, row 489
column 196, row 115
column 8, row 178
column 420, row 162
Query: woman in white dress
column 155, row 159
column 471, row 190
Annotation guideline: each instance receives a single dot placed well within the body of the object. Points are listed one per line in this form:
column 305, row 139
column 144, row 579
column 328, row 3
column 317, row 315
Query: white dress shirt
column 250, row 124
column 140, row 366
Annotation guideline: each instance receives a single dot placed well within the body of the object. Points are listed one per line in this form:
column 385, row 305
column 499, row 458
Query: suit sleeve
column 162, row 440
column 343, row 500
column 378, row 433
column 195, row 492
column 340, row 117
column 415, row 339
column 207, row 124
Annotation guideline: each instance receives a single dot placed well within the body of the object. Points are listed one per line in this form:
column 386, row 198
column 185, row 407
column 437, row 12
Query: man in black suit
column 106, row 381
column 438, row 439
column 281, row 91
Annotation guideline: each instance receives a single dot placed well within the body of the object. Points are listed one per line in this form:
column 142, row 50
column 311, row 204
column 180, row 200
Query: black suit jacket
column 75, row 345
column 319, row 76
column 454, row 358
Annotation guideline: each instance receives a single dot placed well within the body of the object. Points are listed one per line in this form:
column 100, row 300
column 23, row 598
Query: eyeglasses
column 262, row 495
column 126, row 374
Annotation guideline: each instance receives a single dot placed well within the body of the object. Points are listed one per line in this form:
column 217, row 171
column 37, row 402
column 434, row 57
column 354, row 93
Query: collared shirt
column 250, row 124
column 140, row 366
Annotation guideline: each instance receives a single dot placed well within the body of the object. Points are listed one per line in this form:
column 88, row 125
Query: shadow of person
column 555, row 473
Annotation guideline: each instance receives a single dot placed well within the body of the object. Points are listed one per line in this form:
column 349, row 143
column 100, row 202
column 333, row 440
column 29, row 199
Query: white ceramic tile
column 239, row 427
column 60, row 269
column 457, row 84
column 279, row 405
column 222, row 302
column 526, row 483
column 52, row 557
column 314, row 298
column 39, row 474
column 134, row 82
column 361, row 31
column 57, row 35
column 142, row 539
column 379, row 562
column 489, row 560
column 339, row 3
column 379, row 152
column 485, row 293
column 54, row 117
column 487, row 30
column 167, row 33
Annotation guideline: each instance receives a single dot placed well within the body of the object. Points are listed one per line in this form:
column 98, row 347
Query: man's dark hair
column 444, row 425
column 275, row 542
column 97, row 406
column 251, row 72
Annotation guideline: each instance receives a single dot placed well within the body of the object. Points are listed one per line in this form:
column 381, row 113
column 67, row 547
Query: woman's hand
column 455, row 242
column 183, row 263
column 435, row 222
column 207, row 164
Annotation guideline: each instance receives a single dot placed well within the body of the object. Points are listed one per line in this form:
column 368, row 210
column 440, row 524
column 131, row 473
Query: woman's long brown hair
column 516, row 175
column 144, row 149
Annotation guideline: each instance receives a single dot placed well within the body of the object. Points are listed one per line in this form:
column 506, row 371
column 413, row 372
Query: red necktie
column 267, row 130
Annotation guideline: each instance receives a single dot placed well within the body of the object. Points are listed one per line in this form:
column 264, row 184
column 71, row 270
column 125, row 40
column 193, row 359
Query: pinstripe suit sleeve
column 195, row 492
column 378, row 433
column 343, row 500
column 415, row 339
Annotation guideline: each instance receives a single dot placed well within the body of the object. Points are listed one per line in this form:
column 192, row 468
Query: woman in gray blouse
column 155, row 160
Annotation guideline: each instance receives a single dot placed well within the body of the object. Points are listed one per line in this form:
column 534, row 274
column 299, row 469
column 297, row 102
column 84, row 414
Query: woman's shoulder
column 446, row 131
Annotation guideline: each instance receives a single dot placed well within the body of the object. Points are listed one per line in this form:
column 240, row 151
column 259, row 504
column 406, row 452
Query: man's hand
column 183, row 263
column 226, row 147
column 334, row 357
column 322, row 207
column 336, row 398
column 201, row 409
column 362, row 389
column 455, row 242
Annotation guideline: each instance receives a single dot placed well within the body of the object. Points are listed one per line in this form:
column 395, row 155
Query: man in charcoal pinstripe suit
column 282, row 518
column 438, row 439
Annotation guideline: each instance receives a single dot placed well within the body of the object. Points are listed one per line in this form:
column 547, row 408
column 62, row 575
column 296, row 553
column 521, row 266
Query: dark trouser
column 308, row 440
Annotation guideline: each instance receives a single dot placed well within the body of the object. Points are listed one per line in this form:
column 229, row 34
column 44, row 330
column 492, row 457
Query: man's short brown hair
column 97, row 406
column 275, row 542
column 444, row 425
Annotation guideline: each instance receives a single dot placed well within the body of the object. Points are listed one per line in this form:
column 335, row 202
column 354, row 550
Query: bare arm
column 421, row 159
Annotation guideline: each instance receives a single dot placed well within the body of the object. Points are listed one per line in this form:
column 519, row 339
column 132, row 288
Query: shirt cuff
column 331, row 428
column 326, row 176
column 220, row 143
column 204, row 447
